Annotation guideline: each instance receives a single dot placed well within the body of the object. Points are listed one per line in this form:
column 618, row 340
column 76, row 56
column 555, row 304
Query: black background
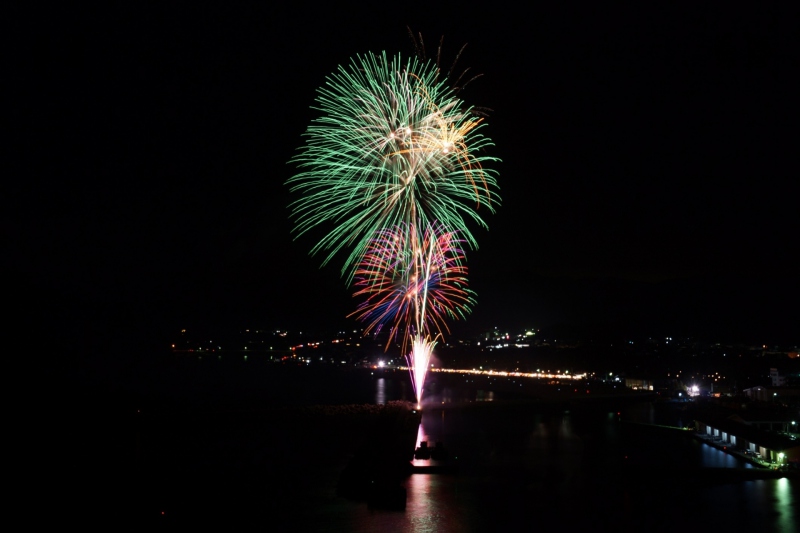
column 648, row 170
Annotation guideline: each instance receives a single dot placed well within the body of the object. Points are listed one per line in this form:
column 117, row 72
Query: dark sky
column 649, row 164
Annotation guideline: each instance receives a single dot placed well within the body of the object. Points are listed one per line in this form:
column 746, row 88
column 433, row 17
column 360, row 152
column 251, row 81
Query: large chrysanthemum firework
column 393, row 145
column 394, row 167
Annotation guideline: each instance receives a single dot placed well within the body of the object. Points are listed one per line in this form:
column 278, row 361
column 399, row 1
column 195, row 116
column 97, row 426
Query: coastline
column 761, row 469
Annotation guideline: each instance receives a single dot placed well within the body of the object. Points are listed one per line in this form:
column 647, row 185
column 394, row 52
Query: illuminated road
column 502, row 373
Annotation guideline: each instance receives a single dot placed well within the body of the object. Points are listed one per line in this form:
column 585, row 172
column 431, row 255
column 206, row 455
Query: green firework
column 393, row 145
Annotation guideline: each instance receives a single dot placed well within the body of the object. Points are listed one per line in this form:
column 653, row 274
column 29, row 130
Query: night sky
column 649, row 165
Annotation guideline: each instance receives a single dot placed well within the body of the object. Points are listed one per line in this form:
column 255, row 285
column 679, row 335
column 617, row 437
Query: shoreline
column 762, row 469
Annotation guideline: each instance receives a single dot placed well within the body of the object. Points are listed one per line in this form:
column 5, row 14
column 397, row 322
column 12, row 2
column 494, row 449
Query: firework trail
column 413, row 283
column 394, row 168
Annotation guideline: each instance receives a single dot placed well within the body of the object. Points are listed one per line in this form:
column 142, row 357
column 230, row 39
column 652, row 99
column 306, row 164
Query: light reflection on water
column 714, row 458
column 389, row 389
column 430, row 431
column 432, row 505
column 380, row 391
column 559, row 470
column 421, row 437
column 785, row 502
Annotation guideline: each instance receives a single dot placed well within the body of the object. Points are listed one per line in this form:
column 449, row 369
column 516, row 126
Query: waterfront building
column 768, row 446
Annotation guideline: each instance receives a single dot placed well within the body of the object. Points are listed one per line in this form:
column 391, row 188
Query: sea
column 511, row 465
column 574, row 469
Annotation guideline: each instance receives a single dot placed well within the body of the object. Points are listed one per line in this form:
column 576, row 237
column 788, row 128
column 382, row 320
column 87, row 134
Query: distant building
column 783, row 378
column 777, row 379
column 757, row 393
column 639, row 384
column 789, row 396
column 769, row 445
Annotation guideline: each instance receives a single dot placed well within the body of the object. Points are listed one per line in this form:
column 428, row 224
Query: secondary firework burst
column 391, row 176
column 412, row 281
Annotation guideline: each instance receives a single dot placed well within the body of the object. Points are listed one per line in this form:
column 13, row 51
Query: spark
column 391, row 175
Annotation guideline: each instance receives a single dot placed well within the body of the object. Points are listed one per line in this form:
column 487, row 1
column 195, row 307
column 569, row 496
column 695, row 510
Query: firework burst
column 394, row 145
column 394, row 168
column 413, row 282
